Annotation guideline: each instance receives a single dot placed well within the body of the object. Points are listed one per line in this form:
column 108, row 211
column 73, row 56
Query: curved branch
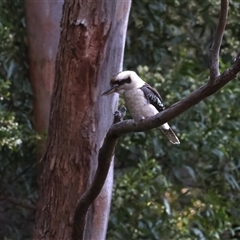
column 176, row 109
column 104, row 160
column 217, row 41
column 107, row 150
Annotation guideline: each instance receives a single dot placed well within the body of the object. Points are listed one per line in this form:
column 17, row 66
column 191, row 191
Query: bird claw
column 119, row 114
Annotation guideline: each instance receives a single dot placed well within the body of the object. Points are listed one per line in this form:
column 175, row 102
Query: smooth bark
column 43, row 26
column 217, row 41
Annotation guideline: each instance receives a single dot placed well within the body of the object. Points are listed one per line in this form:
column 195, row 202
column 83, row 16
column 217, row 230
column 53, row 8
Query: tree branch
column 107, row 150
column 104, row 160
column 217, row 41
column 176, row 109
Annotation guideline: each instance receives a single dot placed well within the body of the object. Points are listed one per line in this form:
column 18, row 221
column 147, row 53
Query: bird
column 141, row 99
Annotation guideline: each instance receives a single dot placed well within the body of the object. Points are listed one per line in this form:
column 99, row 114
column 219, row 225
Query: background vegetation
column 189, row 191
column 161, row 191
column 18, row 189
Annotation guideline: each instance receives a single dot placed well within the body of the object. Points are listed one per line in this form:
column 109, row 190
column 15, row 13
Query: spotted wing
column 153, row 97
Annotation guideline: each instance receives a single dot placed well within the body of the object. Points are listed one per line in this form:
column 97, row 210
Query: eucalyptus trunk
column 90, row 53
column 43, row 28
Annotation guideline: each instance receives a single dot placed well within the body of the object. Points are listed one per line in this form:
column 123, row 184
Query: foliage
column 17, row 138
column 167, row 31
column 198, row 198
column 163, row 211
column 162, row 191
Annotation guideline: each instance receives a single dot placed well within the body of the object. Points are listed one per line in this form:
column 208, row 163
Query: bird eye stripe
column 121, row 82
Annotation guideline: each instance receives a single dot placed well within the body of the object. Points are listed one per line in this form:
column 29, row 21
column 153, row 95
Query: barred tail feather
column 170, row 134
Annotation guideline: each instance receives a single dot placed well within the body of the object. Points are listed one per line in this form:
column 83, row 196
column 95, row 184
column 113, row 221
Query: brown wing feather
column 153, row 97
column 153, row 90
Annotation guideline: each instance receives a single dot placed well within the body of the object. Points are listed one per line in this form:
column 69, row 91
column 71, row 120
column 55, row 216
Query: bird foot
column 119, row 114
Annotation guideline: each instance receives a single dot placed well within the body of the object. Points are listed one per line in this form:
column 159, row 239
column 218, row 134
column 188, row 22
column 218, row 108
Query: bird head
column 123, row 81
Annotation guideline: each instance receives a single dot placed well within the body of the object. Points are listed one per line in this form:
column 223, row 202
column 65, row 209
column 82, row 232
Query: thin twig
column 20, row 203
column 17, row 177
column 217, row 42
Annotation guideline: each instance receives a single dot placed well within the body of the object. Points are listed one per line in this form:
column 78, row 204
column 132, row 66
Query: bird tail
column 169, row 133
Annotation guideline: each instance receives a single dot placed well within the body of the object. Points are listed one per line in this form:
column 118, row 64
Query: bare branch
column 176, row 109
column 217, row 41
column 104, row 160
column 107, row 150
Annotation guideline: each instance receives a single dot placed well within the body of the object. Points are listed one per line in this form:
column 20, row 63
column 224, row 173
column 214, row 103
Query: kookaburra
column 141, row 99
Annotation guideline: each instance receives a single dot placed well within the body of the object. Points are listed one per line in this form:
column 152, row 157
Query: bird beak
column 109, row 91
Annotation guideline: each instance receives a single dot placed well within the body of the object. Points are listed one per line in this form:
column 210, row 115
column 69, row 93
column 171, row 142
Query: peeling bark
column 90, row 53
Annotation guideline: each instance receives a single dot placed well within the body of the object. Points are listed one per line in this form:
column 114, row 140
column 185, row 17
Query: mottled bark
column 90, row 53
column 43, row 26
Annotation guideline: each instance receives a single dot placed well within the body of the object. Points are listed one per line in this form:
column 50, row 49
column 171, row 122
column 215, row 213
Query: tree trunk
column 43, row 25
column 90, row 53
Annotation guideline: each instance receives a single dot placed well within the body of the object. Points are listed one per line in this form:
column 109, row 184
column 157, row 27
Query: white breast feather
column 138, row 105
